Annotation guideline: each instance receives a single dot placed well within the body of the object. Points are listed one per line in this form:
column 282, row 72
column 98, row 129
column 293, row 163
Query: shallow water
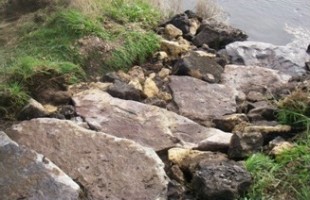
column 272, row 21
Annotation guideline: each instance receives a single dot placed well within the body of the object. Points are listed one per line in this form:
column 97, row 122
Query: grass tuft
column 137, row 47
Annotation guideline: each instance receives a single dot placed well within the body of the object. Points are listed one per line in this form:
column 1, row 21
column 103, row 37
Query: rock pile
column 173, row 128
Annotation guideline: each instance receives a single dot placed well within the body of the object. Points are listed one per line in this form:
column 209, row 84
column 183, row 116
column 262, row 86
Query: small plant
column 12, row 98
column 137, row 47
column 263, row 171
column 294, row 110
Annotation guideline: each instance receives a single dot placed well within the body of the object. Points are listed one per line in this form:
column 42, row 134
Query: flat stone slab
column 253, row 78
column 201, row 101
column 25, row 174
column 287, row 59
column 106, row 166
column 147, row 125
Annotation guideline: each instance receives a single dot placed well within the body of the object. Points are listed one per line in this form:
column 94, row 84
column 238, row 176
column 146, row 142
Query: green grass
column 294, row 110
column 48, row 49
column 12, row 98
column 287, row 176
column 137, row 11
column 137, row 47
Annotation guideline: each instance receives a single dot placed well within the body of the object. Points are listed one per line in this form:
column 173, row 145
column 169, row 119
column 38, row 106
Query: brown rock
column 228, row 122
column 76, row 88
column 188, row 159
column 124, row 91
column 218, row 142
column 252, row 78
column 173, row 49
column 279, row 145
column 106, row 166
column 25, row 174
column 199, row 66
column 137, row 73
column 148, row 125
column 201, row 101
column 150, row 88
column 32, row 110
column 244, row 144
column 164, row 72
column 172, row 32
column 262, row 110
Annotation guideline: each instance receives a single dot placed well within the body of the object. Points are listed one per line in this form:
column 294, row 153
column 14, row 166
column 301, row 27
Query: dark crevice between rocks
column 84, row 194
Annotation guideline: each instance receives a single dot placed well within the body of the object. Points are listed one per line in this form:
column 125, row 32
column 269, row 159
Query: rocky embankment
column 176, row 127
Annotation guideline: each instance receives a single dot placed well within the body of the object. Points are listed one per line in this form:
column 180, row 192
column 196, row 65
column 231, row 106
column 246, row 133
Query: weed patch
column 137, row 47
column 287, row 175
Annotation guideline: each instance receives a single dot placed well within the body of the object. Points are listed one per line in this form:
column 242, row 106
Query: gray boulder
column 199, row 66
column 217, row 35
column 26, row 174
column 246, row 79
column 224, row 180
column 106, row 166
column 145, row 124
column 201, row 101
column 124, row 91
column 287, row 59
column 244, row 144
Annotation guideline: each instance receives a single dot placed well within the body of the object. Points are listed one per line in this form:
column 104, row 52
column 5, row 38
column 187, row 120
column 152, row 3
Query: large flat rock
column 147, row 125
column 106, row 166
column 202, row 101
column 253, row 78
column 25, row 174
column 287, row 59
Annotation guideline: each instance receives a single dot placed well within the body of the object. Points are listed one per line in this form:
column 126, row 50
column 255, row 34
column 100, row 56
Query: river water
column 273, row 21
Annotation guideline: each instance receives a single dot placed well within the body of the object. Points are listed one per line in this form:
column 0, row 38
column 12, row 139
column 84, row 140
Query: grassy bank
column 45, row 41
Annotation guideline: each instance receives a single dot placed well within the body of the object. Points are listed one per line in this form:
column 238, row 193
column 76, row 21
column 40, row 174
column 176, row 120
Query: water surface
column 273, row 21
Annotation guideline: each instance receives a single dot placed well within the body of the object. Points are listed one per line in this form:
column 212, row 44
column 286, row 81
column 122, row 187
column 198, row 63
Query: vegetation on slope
column 287, row 175
column 44, row 40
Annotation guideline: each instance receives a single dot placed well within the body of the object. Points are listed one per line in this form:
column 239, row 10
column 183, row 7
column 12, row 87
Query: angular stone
column 25, row 174
column 172, row 32
column 106, row 166
column 188, row 159
column 32, row 110
column 199, row 66
column 255, row 96
column 228, row 122
column 182, row 22
column 244, row 144
column 137, row 73
column 173, row 48
column 201, row 101
column 123, row 91
column 160, row 56
column 148, row 125
column 224, row 180
column 280, row 148
column 265, row 130
column 253, row 78
column 217, row 35
column 287, row 59
column 262, row 110
column 164, row 72
column 218, row 142
column 150, row 88
column 76, row 88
